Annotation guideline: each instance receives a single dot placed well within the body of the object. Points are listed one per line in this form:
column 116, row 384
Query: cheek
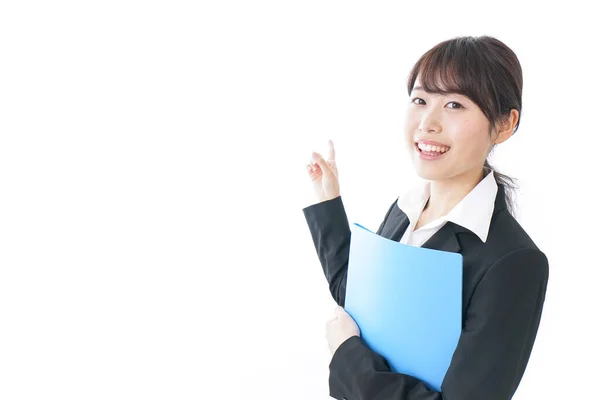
column 474, row 145
column 410, row 127
column 469, row 137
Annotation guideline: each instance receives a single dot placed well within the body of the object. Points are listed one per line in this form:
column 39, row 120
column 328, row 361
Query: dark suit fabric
column 504, row 286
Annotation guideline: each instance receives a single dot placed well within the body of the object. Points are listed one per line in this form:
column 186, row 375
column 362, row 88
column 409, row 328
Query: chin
column 429, row 173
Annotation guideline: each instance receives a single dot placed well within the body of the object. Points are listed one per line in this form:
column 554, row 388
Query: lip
column 425, row 156
column 431, row 142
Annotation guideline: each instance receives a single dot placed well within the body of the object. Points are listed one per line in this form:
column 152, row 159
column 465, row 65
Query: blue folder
column 407, row 302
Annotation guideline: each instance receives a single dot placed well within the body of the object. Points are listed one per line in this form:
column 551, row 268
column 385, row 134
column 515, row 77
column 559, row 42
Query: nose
column 430, row 123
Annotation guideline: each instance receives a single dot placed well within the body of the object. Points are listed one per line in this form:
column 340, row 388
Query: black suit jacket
column 504, row 286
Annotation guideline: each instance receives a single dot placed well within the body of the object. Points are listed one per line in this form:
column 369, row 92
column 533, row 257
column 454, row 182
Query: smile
column 432, row 148
column 429, row 152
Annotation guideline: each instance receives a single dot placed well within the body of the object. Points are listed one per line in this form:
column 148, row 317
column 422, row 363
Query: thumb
column 322, row 163
column 339, row 311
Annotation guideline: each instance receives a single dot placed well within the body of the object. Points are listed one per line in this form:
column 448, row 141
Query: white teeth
column 428, row 147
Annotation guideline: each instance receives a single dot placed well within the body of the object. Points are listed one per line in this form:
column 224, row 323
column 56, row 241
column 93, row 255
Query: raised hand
column 324, row 175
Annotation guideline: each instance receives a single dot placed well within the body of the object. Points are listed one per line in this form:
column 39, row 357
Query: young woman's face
column 454, row 122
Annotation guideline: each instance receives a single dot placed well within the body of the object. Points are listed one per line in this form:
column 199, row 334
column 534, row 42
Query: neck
column 446, row 194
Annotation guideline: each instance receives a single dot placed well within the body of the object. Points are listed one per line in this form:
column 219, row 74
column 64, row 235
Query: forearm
column 358, row 370
column 330, row 232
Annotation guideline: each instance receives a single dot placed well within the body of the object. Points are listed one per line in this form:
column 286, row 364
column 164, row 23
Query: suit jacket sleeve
column 330, row 232
column 499, row 330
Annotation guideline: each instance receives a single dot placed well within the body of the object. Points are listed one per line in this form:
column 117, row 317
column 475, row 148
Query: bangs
column 448, row 68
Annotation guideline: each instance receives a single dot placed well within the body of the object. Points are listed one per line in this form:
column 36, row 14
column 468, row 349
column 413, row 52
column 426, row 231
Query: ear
column 506, row 128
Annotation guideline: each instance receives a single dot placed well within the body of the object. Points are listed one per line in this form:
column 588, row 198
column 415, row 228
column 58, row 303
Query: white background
column 152, row 241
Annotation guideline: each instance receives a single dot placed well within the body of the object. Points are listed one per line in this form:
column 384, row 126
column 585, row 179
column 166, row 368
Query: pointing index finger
column 331, row 151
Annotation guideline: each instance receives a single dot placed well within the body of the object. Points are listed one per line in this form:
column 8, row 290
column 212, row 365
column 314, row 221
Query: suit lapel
column 444, row 239
column 399, row 229
column 395, row 226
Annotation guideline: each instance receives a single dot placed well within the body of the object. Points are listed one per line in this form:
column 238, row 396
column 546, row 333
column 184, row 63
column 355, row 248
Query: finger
column 321, row 163
column 332, row 320
column 331, row 150
column 312, row 163
column 330, row 324
column 339, row 311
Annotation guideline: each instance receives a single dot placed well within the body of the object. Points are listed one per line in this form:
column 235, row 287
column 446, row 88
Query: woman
column 465, row 98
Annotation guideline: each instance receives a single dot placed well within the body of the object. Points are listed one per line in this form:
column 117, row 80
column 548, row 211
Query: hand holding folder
column 407, row 302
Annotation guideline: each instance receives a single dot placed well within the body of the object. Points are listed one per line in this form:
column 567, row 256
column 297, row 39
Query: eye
column 458, row 105
column 417, row 99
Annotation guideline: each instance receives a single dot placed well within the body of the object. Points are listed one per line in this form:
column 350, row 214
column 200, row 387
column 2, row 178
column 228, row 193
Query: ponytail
column 507, row 182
